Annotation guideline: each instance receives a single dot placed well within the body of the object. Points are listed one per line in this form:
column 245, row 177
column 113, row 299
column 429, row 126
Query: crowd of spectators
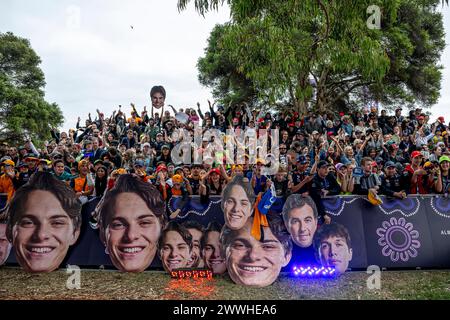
column 334, row 153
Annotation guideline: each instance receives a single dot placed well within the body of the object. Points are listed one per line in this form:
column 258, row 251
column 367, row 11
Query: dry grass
column 16, row 284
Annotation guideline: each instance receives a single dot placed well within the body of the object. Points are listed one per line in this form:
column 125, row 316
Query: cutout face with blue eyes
column 43, row 234
column 132, row 234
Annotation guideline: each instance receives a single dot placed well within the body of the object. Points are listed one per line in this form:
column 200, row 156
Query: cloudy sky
column 102, row 53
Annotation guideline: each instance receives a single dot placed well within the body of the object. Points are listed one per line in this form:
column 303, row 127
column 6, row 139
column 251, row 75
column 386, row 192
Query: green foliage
column 318, row 53
column 23, row 109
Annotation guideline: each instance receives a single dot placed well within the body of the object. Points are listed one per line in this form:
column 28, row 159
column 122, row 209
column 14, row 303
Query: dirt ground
column 97, row 284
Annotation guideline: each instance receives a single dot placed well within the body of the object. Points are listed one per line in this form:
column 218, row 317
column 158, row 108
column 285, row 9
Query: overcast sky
column 93, row 58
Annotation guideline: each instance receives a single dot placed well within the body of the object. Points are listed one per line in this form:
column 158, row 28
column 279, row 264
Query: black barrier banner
column 347, row 212
column 397, row 233
column 409, row 233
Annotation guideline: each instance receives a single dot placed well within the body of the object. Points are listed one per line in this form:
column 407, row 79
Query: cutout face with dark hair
column 132, row 235
column 196, row 260
column 131, row 220
column 237, row 203
column 213, row 253
column 45, row 219
column 333, row 247
column 43, row 234
column 5, row 245
column 158, row 97
column 251, row 262
column 300, row 217
column 175, row 251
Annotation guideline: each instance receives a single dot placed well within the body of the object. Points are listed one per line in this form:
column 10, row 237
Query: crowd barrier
column 409, row 233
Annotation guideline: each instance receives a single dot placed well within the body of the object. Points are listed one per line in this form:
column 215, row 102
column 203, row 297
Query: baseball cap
column 177, row 178
column 315, row 132
column 161, row 167
column 302, row 159
column 340, row 165
column 393, row 146
column 9, row 162
column 358, row 172
column 166, row 146
column 322, row 163
column 441, row 119
column 444, row 158
column 47, row 162
column 428, row 164
column 22, row 164
column 31, row 157
column 139, row 163
column 146, row 145
column 389, row 164
column 415, row 154
column 215, row 170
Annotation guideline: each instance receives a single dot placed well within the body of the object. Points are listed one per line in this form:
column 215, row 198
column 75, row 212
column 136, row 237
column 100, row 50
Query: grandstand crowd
column 365, row 152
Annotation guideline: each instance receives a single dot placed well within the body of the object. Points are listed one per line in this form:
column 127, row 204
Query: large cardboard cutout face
column 237, row 208
column 302, row 225
column 255, row 263
column 5, row 245
column 132, row 234
column 213, row 253
column 43, row 233
column 175, row 252
column 333, row 247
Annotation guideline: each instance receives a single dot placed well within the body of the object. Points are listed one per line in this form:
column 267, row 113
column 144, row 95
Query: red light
column 191, row 274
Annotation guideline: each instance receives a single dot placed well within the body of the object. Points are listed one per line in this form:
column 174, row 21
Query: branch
column 324, row 9
column 346, row 92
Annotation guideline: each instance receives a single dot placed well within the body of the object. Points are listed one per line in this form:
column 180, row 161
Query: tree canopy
column 23, row 109
column 322, row 53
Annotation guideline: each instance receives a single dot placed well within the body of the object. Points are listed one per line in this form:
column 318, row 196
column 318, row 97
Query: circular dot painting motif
column 398, row 239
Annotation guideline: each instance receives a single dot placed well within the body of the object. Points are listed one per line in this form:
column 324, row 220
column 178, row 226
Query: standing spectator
column 443, row 183
column 369, row 181
column 6, row 179
column 323, row 184
column 391, row 182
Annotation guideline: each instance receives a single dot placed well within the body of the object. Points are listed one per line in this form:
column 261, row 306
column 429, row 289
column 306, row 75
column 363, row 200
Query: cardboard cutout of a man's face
column 5, row 245
column 132, row 235
column 237, row 208
column 43, row 234
column 334, row 252
column 255, row 263
column 175, row 252
column 302, row 225
column 196, row 260
column 212, row 253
